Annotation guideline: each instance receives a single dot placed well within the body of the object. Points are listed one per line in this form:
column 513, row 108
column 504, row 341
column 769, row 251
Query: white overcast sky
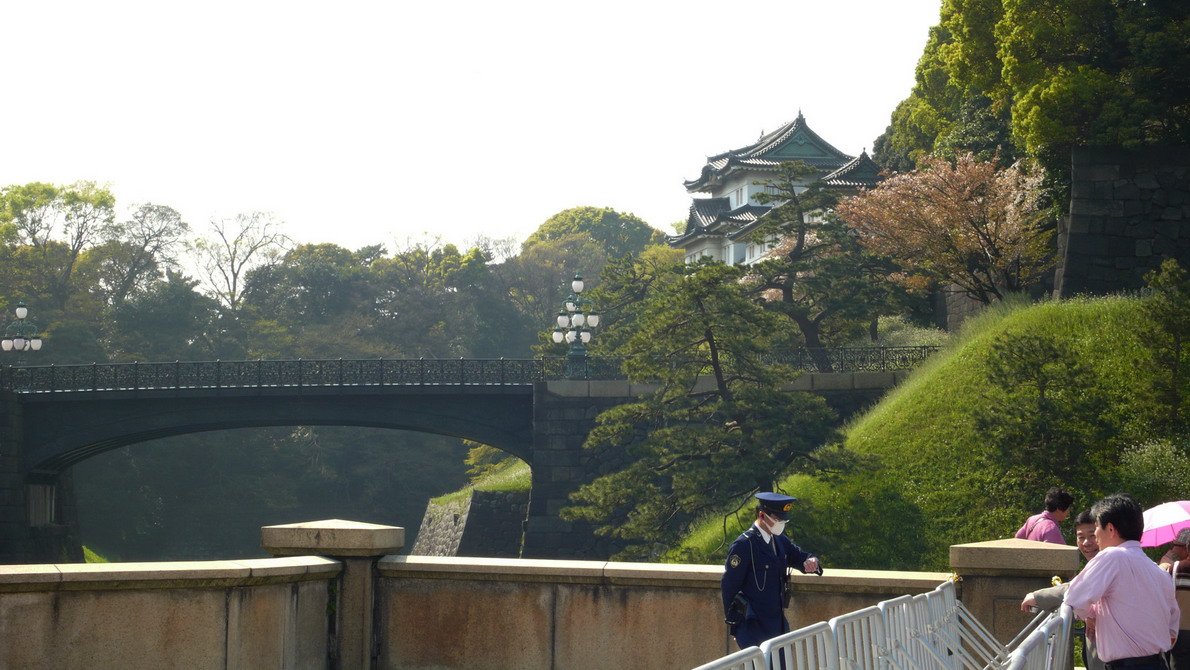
column 364, row 122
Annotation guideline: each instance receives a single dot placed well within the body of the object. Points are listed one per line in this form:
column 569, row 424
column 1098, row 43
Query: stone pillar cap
column 1014, row 557
column 332, row 537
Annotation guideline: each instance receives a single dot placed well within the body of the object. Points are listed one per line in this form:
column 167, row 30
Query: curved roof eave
column 769, row 142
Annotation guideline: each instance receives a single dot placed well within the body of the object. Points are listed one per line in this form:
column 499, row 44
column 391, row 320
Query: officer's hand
column 811, row 565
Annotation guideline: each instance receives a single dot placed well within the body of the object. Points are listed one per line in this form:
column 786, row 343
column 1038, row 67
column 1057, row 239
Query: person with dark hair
column 755, row 578
column 1127, row 600
column 1050, row 598
column 1044, row 527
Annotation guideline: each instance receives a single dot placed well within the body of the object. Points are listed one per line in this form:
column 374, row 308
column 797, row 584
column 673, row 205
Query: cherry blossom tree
column 969, row 223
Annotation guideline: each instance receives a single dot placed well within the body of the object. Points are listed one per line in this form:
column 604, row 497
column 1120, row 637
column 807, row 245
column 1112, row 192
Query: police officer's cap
column 775, row 504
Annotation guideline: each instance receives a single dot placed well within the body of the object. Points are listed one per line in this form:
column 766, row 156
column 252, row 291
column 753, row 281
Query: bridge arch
column 63, row 432
column 538, row 410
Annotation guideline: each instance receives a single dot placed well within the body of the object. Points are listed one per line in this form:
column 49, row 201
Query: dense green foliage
column 718, row 424
column 1072, row 408
column 817, row 274
column 1037, row 77
column 616, row 234
column 107, row 288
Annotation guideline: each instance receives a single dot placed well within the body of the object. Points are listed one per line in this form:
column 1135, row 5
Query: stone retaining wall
column 1128, row 211
column 486, row 523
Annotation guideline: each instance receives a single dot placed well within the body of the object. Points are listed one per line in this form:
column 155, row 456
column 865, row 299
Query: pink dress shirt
column 1043, row 528
column 1131, row 600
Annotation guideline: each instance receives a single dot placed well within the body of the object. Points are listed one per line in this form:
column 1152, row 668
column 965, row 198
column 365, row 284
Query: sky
column 367, row 122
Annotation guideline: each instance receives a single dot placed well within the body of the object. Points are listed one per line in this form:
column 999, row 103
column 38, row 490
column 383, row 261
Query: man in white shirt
column 1128, row 601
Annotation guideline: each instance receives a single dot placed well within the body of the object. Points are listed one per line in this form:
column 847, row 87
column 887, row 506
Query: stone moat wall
column 1129, row 210
column 486, row 523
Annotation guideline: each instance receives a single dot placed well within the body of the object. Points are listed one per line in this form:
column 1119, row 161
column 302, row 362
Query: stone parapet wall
column 562, row 615
column 1128, row 211
column 217, row 615
column 371, row 608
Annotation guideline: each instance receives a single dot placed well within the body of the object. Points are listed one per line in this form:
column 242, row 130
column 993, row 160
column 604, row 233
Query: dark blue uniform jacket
column 755, row 570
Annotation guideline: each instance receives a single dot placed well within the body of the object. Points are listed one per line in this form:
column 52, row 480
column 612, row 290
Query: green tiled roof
column 794, row 141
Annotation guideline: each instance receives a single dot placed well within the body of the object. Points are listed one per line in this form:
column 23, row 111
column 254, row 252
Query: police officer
column 755, row 581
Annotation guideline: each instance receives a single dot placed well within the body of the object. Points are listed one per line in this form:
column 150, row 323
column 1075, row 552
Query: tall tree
column 168, row 320
column 1095, row 72
column 56, row 223
column 420, row 309
column 533, row 281
column 968, row 223
column 235, row 246
column 1043, row 412
column 135, row 252
column 715, row 429
column 816, row 275
column 1167, row 336
column 1057, row 73
column 618, row 234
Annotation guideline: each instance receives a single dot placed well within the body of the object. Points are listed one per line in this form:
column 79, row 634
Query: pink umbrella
column 1163, row 522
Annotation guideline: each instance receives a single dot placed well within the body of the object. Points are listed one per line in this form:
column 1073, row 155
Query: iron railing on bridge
column 394, row 372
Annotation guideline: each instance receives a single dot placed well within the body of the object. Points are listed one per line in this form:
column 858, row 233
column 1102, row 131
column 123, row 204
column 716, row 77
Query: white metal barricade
column 751, row 658
column 809, row 648
column 928, row 631
column 860, row 639
column 953, row 623
column 900, row 632
column 1046, row 647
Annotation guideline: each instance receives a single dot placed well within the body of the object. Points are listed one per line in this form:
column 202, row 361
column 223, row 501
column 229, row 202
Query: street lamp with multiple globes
column 21, row 335
column 575, row 322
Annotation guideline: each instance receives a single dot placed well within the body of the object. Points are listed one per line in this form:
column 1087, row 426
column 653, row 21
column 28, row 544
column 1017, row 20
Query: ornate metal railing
column 389, row 372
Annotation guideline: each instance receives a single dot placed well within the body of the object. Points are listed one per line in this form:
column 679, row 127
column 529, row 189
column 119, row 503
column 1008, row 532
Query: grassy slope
column 926, row 487
column 511, row 475
column 929, row 489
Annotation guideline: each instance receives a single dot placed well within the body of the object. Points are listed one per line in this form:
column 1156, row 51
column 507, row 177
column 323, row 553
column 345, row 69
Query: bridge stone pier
column 564, row 413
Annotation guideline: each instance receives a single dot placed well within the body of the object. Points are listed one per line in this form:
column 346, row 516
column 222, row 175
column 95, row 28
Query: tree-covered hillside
column 965, row 449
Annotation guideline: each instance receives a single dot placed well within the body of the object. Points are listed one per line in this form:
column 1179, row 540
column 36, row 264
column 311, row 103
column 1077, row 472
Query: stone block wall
column 441, row 529
column 564, row 413
column 1129, row 210
column 56, row 542
column 219, row 615
column 12, row 501
column 487, row 524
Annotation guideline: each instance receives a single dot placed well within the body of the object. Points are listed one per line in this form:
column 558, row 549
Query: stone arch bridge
column 539, row 410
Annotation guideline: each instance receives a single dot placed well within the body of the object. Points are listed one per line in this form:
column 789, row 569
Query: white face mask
column 777, row 528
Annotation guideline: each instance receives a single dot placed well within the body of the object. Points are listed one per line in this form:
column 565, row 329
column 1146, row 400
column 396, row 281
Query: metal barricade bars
column 751, row 658
column 928, row 631
column 809, row 648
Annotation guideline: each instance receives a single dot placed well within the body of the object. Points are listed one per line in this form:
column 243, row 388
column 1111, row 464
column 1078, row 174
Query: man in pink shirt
column 1127, row 600
column 1044, row 527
